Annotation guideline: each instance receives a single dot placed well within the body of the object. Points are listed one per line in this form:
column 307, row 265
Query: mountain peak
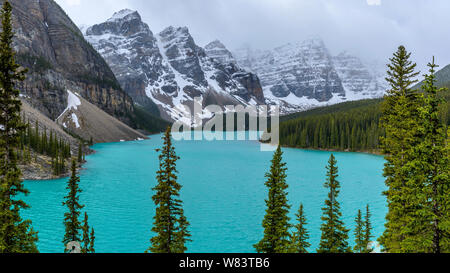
column 344, row 54
column 177, row 35
column 125, row 22
column 125, row 14
column 172, row 29
column 219, row 52
column 314, row 41
column 215, row 44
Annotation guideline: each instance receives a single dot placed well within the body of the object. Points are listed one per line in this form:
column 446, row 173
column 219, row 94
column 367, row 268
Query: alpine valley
column 119, row 81
column 91, row 160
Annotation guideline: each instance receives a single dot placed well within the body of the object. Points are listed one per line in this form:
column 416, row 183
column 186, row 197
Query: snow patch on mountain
column 75, row 120
column 73, row 101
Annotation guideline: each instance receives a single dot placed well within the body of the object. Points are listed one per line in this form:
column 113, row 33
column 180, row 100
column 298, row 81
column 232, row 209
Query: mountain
column 360, row 81
column 247, row 84
column 303, row 75
column 162, row 71
column 57, row 56
column 219, row 52
column 130, row 48
column 58, row 59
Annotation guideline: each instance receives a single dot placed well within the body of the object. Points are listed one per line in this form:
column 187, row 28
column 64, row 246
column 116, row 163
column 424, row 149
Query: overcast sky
column 371, row 29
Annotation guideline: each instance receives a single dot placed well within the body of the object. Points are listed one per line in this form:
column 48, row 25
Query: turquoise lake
column 223, row 193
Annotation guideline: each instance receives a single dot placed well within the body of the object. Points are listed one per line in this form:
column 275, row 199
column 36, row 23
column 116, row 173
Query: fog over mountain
column 370, row 29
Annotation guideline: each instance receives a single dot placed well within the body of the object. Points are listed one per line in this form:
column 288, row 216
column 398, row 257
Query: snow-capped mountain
column 359, row 80
column 58, row 59
column 164, row 71
column 169, row 69
column 303, row 75
column 218, row 51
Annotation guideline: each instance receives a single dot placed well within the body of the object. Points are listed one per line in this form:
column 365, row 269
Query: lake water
column 223, row 193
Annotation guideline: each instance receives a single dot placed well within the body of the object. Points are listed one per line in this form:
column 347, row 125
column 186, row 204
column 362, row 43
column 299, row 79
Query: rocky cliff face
column 302, row 75
column 358, row 80
column 219, row 52
column 58, row 58
column 304, row 69
column 247, row 84
column 129, row 45
column 170, row 69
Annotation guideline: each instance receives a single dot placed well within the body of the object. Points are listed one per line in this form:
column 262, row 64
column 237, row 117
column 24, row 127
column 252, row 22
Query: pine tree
column 183, row 235
column 44, row 142
column 170, row 224
column 276, row 221
column 92, row 241
column 56, row 166
column 299, row 243
column 37, row 140
column 446, row 168
column 401, row 122
column 360, row 245
column 62, row 163
column 16, row 234
column 71, row 222
column 80, row 153
column 28, row 156
column 88, row 238
column 428, row 231
column 367, row 230
column 334, row 234
column 50, row 145
column 85, row 239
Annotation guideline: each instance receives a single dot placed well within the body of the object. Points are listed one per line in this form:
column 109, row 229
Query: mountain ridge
column 58, row 59
column 303, row 75
column 296, row 76
column 45, row 33
column 169, row 68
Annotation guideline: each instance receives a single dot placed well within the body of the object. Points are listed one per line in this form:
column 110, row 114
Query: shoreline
column 378, row 153
column 47, row 175
column 43, row 175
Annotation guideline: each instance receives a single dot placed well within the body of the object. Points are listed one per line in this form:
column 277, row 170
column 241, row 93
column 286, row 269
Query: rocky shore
column 40, row 168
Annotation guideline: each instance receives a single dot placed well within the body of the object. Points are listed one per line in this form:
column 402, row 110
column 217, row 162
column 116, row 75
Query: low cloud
column 71, row 2
column 374, row 2
column 352, row 25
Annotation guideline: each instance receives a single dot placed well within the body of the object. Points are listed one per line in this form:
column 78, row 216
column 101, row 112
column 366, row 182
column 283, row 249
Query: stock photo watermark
column 228, row 123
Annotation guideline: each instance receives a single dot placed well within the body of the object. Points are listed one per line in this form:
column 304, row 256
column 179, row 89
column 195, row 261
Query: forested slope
column 349, row 126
